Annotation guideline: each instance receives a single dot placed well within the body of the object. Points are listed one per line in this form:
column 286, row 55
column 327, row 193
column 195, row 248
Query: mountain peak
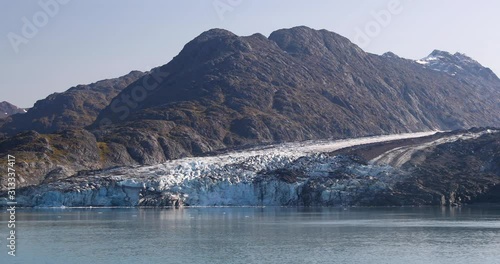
column 214, row 33
column 456, row 64
column 444, row 56
column 390, row 54
column 304, row 41
column 7, row 109
column 212, row 44
column 298, row 30
column 440, row 53
column 457, row 57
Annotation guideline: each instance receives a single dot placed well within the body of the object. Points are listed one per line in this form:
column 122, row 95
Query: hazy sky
column 83, row 41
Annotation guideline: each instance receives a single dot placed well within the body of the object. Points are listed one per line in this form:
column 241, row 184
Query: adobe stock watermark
column 380, row 19
column 31, row 26
column 222, row 7
column 142, row 88
column 11, row 203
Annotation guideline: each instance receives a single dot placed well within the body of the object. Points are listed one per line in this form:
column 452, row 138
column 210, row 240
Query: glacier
column 295, row 174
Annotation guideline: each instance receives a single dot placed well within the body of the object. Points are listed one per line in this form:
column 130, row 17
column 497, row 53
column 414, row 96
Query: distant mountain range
column 225, row 91
column 8, row 109
column 72, row 109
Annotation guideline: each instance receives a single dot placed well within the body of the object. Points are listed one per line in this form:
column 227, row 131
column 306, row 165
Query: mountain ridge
column 456, row 63
column 76, row 107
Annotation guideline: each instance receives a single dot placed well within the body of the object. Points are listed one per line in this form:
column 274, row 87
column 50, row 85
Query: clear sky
column 83, row 41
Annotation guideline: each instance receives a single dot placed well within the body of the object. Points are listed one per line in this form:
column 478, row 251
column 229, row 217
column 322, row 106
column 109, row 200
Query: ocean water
column 255, row 235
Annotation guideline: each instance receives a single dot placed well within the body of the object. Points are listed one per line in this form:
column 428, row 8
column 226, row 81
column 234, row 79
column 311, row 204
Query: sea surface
column 255, row 235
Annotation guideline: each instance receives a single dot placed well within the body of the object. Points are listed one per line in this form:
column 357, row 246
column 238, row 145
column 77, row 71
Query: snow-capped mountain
column 456, row 64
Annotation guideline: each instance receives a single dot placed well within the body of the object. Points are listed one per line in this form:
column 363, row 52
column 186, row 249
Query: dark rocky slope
column 75, row 108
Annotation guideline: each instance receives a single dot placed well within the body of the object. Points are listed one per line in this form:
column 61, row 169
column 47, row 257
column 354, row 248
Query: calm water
column 256, row 235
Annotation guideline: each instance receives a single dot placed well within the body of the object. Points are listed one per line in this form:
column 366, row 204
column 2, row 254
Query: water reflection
column 259, row 235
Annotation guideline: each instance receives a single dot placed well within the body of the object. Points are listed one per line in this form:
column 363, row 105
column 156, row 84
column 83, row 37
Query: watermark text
column 11, row 205
column 32, row 25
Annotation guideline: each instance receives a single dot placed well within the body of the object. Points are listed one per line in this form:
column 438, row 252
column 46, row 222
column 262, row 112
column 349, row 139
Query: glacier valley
column 290, row 174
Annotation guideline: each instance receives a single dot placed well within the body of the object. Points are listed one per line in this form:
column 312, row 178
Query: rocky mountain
column 466, row 70
column 8, row 109
column 456, row 64
column 225, row 91
column 75, row 108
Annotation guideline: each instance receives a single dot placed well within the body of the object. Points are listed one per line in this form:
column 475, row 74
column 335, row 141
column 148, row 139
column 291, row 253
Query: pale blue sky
column 90, row 40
